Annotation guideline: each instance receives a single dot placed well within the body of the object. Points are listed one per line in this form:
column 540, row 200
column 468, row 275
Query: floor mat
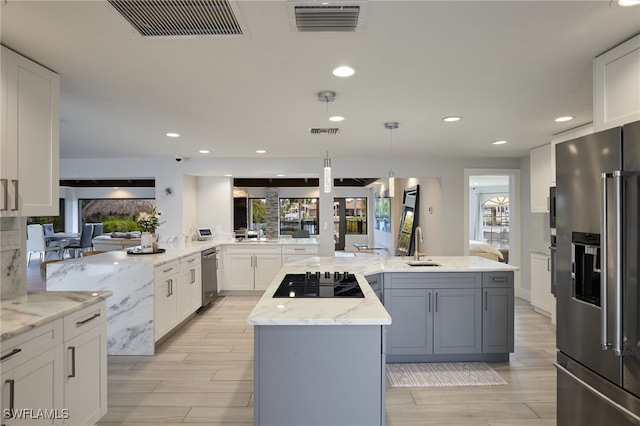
column 442, row 374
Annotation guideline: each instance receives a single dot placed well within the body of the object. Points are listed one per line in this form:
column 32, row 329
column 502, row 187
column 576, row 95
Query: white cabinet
column 616, row 86
column 165, row 312
column 295, row 252
column 30, row 140
column 189, row 286
column 541, row 298
column 251, row 268
column 540, row 162
column 85, row 376
column 57, row 370
column 32, row 371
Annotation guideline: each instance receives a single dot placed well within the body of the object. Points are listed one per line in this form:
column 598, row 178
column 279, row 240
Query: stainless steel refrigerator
column 598, row 241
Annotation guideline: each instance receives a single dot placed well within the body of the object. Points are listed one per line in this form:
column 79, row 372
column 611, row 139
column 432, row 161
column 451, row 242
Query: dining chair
column 98, row 230
column 86, row 234
column 36, row 243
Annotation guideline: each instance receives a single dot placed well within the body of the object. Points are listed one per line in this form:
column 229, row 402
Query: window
column 258, row 214
column 57, row 221
column 116, row 214
column 356, row 215
column 297, row 214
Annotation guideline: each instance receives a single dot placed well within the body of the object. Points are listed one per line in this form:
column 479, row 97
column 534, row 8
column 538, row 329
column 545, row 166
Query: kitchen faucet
column 417, row 242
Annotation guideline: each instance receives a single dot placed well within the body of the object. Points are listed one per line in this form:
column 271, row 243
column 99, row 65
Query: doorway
column 492, row 212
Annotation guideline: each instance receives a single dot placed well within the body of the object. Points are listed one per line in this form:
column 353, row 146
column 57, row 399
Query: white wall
column 169, row 173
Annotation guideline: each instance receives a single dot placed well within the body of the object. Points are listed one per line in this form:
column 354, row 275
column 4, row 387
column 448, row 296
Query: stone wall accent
column 272, row 208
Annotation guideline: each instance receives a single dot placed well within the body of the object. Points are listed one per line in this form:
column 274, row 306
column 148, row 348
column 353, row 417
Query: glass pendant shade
column 392, row 184
column 327, row 174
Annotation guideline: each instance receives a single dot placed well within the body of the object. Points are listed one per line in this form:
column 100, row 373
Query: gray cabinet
column 429, row 319
column 497, row 313
column 449, row 316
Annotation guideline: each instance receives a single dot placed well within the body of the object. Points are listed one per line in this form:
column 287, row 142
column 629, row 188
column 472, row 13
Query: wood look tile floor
column 203, row 373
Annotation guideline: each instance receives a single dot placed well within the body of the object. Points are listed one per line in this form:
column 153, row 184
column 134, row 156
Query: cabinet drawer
column 163, row 271
column 497, row 279
column 190, row 262
column 26, row 346
column 310, row 251
column 85, row 319
column 434, row 280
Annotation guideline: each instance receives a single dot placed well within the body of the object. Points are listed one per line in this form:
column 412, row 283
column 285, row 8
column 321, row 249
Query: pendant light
column 391, row 125
column 327, row 96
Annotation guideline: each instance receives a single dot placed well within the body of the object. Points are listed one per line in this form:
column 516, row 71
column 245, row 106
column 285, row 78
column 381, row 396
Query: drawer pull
column 5, row 189
column 73, row 362
column 499, row 279
column 79, row 323
column 12, row 394
column 15, row 200
column 192, row 260
column 10, row 354
column 167, row 270
column 299, row 249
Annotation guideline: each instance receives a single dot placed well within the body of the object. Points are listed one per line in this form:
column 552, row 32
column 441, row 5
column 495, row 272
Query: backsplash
column 13, row 283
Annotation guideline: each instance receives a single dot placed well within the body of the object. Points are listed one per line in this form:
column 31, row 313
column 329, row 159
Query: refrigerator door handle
column 617, row 345
column 604, row 276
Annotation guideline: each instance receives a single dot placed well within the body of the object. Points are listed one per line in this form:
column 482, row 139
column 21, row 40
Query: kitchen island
column 322, row 360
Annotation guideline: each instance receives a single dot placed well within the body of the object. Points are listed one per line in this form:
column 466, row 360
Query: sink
column 423, row 263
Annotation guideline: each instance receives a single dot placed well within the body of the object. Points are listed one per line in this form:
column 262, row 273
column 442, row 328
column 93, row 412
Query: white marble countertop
column 33, row 309
column 351, row 311
column 175, row 251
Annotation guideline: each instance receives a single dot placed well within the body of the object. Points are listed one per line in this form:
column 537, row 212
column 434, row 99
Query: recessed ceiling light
column 261, row 151
column 204, row 151
column 173, row 135
column 452, row 119
column 498, row 142
column 280, row 175
column 336, row 118
column 561, row 119
column 343, row 71
column 627, row 3
column 228, row 175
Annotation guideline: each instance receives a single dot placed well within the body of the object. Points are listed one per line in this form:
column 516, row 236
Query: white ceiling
column 508, row 67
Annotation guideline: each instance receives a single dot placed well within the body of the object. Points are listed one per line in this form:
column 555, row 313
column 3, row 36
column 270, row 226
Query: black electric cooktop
column 319, row 284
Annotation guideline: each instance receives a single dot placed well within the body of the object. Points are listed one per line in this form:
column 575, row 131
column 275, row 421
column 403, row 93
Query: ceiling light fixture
column 336, row 118
column 628, row 3
column 173, row 135
column 204, row 151
column 452, row 118
column 343, row 71
column 327, row 96
column 563, row 119
column 391, row 125
column 261, row 151
column 498, row 142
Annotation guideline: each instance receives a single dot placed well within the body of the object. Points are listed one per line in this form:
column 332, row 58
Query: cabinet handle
column 486, row 300
column 167, row 270
column 168, row 288
column 499, row 279
column 429, row 302
column 73, row 362
column 10, row 354
column 192, row 260
column 548, row 204
column 436, row 301
column 79, row 323
column 12, row 389
column 15, row 200
column 193, row 276
column 549, row 264
column 256, row 258
column 5, row 189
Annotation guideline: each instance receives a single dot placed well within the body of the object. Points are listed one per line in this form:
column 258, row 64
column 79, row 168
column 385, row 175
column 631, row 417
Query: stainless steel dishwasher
column 209, row 277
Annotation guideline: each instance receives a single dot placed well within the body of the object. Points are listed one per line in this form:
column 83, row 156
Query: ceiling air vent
column 322, row 130
column 336, row 16
column 175, row 18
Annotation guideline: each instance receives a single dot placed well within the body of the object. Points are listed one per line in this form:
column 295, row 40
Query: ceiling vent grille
column 323, row 130
column 341, row 16
column 175, row 18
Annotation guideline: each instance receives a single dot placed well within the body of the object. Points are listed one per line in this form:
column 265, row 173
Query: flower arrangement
column 148, row 222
